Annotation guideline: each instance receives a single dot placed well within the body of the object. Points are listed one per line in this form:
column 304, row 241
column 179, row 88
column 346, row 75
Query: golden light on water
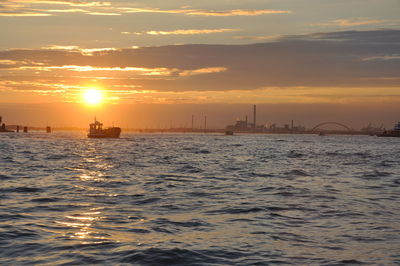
column 93, row 96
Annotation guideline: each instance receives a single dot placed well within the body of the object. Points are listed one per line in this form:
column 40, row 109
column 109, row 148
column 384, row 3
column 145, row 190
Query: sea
column 199, row 199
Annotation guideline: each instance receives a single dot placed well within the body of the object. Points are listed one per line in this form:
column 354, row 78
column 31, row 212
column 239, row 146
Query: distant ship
column 3, row 127
column 96, row 131
column 229, row 133
column 395, row 132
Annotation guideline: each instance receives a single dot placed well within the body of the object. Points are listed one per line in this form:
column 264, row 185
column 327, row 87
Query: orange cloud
column 65, row 2
column 200, row 12
column 351, row 22
column 27, row 14
column 236, row 12
column 83, row 51
column 200, row 71
column 103, row 14
column 70, row 10
column 24, row 8
column 258, row 38
column 184, row 32
column 142, row 71
column 8, row 62
column 18, row 65
column 348, row 22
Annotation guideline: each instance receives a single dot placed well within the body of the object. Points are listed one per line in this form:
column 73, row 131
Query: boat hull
column 113, row 132
column 391, row 133
column 5, row 130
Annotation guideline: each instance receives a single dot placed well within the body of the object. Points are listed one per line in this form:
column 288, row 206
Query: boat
column 395, row 132
column 96, row 131
column 229, row 133
column 3, row 127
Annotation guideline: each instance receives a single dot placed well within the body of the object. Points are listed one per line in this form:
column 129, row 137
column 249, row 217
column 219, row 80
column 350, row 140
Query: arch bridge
column 331, row 123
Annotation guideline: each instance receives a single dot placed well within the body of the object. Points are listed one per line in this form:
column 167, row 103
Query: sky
column 205, row 57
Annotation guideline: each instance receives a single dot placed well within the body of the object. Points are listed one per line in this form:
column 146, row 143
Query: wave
column 21, row 190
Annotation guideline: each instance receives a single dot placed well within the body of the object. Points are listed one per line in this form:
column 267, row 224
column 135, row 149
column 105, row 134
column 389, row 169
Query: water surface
column 199, row 199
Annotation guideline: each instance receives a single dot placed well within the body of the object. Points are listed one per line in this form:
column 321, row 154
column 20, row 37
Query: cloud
column 184, row 32
column 64, row 2
column 61, row 47
column 384, row 57
column 83, row 51
column 43, row 8
column 352, row 22
column 236, row 12
column 366, row 37
column 201, row 71
column 15, row 64
column 258, row 38
column 349, row 23
column 18, row 65
column 29, row 8
column 103, row 14
column 347, row 59
column 201, row 12
column 23, row 14
column 8, row 62
column 69, row 10
column 80, row 68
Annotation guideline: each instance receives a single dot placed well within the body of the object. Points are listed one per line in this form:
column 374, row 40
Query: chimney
column 254, row 117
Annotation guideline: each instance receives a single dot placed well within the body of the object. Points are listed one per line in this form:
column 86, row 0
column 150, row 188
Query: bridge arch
column 331, row 123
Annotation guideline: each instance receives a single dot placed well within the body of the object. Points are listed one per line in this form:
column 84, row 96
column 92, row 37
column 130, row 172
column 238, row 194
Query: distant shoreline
column 189, row 131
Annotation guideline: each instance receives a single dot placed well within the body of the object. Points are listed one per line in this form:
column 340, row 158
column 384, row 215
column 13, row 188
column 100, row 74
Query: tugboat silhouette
column 96, row 131
column 395, row 132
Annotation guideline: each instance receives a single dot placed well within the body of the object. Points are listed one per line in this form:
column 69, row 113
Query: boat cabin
column 96, row 126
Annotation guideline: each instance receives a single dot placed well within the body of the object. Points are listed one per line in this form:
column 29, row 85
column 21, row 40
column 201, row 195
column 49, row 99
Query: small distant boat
column 321, row 134
column 3, row 127
column 229, row 133
column 395, row 132
column 96, row 131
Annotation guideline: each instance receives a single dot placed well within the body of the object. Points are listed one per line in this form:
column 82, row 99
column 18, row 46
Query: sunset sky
column 280, row 54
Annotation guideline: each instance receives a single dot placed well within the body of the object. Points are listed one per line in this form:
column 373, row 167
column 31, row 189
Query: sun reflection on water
column 93, row 165
column 98, row 177
column 90, row 170
column 84, row 223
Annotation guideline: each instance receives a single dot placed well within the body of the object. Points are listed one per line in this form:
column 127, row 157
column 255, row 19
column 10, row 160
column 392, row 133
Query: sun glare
column 93, row 96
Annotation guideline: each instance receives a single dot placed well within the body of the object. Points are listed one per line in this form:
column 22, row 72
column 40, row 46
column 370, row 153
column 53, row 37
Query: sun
column 93, row 96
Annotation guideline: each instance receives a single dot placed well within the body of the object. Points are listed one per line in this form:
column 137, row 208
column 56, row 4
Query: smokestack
column 192, row 122
column 205, row 123
column 254, row 116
